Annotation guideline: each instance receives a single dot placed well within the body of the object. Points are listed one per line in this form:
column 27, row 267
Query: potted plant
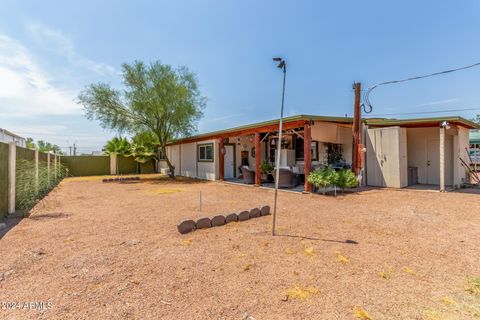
column 324, row 178
column 265, row 169
column 345, row 178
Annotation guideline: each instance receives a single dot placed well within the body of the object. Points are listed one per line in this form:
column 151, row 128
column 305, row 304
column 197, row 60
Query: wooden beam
column 258, row 152
column 307, row 154
column 221, row 160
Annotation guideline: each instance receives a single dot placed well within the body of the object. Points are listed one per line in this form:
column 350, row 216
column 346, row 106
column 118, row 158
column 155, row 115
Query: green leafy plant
column 323, row 178
column 345, row 179
column 266, row 167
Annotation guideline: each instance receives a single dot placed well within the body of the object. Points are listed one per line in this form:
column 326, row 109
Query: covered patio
column 248, row 156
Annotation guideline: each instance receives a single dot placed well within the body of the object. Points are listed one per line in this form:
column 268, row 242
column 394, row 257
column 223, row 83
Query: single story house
column 398, row 152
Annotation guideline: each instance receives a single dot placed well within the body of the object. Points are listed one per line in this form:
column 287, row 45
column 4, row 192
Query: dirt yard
column 94, row 250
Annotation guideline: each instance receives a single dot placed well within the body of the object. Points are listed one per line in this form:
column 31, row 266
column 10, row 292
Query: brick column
column 12, row 162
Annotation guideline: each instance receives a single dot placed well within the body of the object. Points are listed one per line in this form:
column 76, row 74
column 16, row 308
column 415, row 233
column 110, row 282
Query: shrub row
column 326, row 177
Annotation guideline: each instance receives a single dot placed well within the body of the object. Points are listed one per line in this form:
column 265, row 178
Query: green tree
column 476, row 119
column 144, row 148
column 46, row 147
column 118, row 146
column 30, row 143
column 157, row 98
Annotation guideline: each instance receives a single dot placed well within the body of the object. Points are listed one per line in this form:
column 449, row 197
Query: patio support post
column 307, row 154
column 221, row 160
column 257, row 158
column 442, row 159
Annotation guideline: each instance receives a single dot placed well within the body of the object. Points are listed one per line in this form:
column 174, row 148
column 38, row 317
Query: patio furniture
column 286, row 178
column 248, row 175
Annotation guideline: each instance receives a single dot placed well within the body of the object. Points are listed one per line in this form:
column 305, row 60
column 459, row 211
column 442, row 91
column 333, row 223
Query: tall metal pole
column 279, row 149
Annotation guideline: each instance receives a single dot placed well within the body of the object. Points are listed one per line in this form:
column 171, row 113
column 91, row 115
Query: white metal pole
column 279, row 149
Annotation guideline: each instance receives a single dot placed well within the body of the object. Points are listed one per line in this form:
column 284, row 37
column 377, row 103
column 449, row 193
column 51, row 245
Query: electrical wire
column 367, row 106
column 423, row 112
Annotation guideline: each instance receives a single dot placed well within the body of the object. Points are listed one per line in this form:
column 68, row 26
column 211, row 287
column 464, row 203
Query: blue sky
column 50, row 50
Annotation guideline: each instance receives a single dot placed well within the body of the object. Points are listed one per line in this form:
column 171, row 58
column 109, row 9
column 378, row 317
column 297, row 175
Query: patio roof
column 265, row 126
column 421, row 122
column 300, row 120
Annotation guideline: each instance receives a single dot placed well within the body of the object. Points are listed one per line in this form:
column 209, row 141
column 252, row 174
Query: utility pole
column 70, row 147
column 357, row 122
column 74, row 149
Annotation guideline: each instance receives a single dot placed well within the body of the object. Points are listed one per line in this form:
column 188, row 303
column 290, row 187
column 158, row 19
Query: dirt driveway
column 94, row 250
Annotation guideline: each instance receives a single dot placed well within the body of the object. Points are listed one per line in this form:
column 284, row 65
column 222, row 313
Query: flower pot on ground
column 265, row 169
column 322, row 178
column 345, row 178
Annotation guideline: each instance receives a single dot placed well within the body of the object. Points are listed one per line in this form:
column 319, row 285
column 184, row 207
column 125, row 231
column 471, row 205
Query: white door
column 229, row 166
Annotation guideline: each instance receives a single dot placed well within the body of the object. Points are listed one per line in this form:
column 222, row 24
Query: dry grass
column 301, row 293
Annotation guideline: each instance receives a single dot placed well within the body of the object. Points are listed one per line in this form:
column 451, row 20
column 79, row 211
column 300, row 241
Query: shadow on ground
column 348, row 241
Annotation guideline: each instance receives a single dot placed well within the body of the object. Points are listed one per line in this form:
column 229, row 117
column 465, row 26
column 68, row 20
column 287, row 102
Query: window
column 299, row 149
column 205, row 152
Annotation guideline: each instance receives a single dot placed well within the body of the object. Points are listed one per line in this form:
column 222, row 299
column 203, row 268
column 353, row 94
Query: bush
column 324, row 178
column 345, row 179
column 327, row 176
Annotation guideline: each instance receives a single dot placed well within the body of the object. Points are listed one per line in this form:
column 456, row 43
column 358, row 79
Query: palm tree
column 118, row 146
column 144, row 147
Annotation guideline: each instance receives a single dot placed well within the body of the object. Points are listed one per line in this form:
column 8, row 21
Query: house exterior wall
column 185, row 160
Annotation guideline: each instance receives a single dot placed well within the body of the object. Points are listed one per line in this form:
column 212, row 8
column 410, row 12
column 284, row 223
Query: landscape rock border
column 121, row 179
column 189, row 225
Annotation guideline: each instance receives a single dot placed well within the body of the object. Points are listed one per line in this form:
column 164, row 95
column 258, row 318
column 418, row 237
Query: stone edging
column 120, row 179
column 220, row 220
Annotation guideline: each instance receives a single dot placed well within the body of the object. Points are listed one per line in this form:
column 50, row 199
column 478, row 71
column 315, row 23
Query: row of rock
column 220, row 220
column 121, row 179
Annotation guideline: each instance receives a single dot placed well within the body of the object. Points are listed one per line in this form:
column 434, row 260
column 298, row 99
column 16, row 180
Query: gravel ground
column 93, row 250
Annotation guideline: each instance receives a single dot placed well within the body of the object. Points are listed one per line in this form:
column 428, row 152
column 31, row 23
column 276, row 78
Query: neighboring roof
column 474, row 136
column 421, row 122
column 258, row 125
column 5, row 131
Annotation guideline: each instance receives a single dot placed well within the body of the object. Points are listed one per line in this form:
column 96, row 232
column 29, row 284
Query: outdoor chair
column 286, row 178
column 248, row 175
